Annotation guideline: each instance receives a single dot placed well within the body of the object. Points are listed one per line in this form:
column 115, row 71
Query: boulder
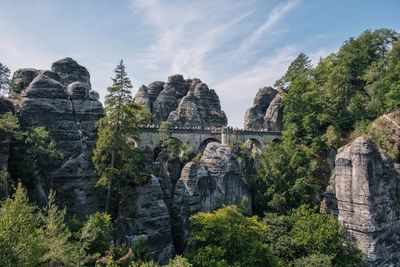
column 78, row 90
column 22, row 78
column 45, row 87
column 70, row 71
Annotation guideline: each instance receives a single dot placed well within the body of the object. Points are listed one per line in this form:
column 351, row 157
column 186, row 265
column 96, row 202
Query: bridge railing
column 209, row 130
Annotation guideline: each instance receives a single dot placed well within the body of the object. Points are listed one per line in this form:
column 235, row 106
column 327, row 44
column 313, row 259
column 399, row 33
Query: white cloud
column 276, row 14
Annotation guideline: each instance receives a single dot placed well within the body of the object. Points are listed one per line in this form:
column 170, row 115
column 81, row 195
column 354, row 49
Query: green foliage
column 20, row 238
column 228, row 238
column 8, row 123
column 33, row 146
column 301, row 66
column 175, row 148
column 286, row 178
column 96, row 234
column 119, row 165
column 324, row 108
column 303, row 234
column 60, row 250
column 178, row 261
column 314, row 260
column 164, row 130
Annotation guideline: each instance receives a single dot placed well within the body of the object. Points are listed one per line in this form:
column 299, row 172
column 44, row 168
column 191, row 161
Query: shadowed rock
column 266, row 112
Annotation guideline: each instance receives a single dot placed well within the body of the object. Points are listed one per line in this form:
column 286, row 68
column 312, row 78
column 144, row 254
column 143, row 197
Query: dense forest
column 325, row 107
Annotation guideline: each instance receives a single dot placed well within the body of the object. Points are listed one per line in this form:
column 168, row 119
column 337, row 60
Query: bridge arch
column 206, row 141
column 254, row 145
column 133, row 142
column 276, row 141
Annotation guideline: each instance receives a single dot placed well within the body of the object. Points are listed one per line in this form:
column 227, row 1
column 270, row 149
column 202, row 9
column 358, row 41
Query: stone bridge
column 198, row 137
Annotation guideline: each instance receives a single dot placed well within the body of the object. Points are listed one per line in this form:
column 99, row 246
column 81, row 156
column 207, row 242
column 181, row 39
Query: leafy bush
column 228, row 238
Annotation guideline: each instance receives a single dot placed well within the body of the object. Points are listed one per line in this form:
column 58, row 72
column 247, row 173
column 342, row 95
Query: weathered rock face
column 216, row 181
column 364, row 193
column 273, row 119
column 186, row 103
column 60, row 101
column 70, row 71
column 5, row 106
column 266, row 112
column 151, row 222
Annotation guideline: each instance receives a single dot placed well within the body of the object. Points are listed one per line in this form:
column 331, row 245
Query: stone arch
column 254, row 145
column 276, row 141
column 206, row 141
column 133, row 142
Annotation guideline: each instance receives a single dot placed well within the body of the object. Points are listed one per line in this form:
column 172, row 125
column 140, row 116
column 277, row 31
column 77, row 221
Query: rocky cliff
column 364, row 195
column 62, row 100
column 214, row 181
column 5, row 106
column 266, row 112
column 183, row 102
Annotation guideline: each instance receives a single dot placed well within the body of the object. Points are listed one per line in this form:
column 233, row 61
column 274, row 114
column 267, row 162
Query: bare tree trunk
column 109, row 184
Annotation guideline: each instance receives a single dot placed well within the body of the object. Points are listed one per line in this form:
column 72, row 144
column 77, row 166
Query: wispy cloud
column 276, row 14
column 217, row 41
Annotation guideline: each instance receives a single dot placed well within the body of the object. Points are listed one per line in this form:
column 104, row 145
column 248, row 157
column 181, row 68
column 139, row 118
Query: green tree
column 303, row 234
column 4, row 79
column 32, row 146
column 286, row 178
column 20, row 240
column 119, row 164
column 60, row 250
column 228, row 238
column 301, row 66
column 8, row 128
column 96, row 235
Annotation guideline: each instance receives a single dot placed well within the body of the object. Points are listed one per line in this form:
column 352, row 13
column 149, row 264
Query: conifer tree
column 60, row 251
column 118, row 163
column 4, row 79
column 20, row 239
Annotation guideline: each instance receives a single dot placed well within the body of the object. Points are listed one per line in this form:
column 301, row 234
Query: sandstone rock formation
column 150, row 221
column 5, row 106
column 186, row 103
column 266, row 112
column 205, row 186
column 364, row 194
column 60, row 101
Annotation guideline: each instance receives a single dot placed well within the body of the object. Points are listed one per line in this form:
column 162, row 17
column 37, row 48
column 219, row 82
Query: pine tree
column 4, row 79
column 60, row 250
column 20, row 239
column 118, row 163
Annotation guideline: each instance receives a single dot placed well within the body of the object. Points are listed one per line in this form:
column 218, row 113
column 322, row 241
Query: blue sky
column 234, row 46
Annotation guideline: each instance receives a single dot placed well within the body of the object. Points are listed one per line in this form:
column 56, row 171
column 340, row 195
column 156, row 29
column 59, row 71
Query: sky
column 235, row 46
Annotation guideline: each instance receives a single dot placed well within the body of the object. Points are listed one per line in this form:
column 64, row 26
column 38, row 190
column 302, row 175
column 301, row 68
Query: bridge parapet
column 198, row 137
column 211, row 130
